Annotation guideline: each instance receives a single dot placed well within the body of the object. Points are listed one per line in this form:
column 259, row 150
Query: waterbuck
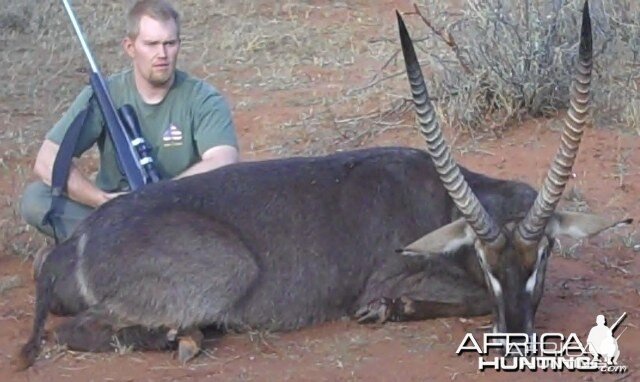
column 282, row 244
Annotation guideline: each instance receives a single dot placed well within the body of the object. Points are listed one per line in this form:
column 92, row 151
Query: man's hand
column 79, row 187
column 106, row 196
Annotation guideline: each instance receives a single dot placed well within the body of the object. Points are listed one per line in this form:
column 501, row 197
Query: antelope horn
column 440, row 152
column 532, row 227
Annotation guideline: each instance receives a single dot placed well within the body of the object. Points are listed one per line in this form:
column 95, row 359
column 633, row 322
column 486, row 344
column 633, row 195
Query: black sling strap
column 61, row 168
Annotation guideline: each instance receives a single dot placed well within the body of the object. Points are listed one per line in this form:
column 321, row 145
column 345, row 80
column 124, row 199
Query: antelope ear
column 578, row 225
column 448, row 238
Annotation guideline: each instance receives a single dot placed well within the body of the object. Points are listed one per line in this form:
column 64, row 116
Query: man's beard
column 161, row 78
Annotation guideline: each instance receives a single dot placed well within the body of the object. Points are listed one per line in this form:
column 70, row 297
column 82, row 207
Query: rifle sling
column 60, row 175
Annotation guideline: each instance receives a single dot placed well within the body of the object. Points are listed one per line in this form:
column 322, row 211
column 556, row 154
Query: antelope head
column 513, row 256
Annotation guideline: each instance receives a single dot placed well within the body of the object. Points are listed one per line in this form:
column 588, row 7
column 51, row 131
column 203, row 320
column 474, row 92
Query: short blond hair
column 160, row 10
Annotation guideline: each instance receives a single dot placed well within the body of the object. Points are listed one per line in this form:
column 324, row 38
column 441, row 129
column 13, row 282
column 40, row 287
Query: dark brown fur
column 273, row 245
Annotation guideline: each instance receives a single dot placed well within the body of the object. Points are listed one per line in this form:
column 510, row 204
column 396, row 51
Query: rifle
column 618, row 321
column 133, row 154
column 132, row 151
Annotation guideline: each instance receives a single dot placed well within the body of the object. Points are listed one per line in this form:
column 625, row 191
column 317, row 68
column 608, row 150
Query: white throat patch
column 532, row 281
column 493, row 281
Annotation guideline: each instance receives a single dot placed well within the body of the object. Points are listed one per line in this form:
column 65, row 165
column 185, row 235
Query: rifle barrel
column 621, row 333
column 618, row 321
column 76, row 27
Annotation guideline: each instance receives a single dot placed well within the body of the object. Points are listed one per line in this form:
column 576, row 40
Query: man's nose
column 163, row 50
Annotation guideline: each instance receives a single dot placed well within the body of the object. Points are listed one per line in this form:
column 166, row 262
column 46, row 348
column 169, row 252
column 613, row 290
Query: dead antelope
column 288, row 243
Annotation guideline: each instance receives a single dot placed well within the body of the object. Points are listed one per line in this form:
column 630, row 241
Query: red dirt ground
column 600, row 277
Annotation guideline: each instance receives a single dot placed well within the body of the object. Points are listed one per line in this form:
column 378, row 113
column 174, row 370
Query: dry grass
column 268, row 48
column 497, row 62
column 10, row 282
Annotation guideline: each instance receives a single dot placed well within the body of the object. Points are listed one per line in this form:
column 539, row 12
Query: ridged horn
column 533, row 225
column 440, row 152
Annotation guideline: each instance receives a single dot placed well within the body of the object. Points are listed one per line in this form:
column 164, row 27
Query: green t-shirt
column 192, row 118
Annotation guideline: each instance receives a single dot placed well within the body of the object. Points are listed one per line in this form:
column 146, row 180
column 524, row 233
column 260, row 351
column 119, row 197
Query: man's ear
column 579, row 225
column 448, row 238
column 128, row 47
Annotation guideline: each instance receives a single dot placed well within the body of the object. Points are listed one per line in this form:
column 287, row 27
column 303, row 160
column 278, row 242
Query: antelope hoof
column 172, row 335
column 189, row 345
column 377, row 310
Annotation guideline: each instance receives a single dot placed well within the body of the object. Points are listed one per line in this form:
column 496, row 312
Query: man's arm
column 79, row 187
column 213, row 158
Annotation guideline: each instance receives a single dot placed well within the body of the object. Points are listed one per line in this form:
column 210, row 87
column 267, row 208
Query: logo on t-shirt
column 172, row 136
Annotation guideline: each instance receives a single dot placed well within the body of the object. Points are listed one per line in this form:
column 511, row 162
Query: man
column 598, row 338
column 187, row 122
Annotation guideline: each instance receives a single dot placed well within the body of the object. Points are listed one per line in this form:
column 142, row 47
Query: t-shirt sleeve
column 91, row 130
column 213, row 121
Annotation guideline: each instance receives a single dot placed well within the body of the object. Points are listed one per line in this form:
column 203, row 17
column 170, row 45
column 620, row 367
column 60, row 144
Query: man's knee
column 35, row 203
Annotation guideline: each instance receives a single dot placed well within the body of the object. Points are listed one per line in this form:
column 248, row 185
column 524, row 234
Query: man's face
column 155, row 50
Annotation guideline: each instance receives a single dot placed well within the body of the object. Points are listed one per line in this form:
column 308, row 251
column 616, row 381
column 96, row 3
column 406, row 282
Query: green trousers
column 36, row 201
